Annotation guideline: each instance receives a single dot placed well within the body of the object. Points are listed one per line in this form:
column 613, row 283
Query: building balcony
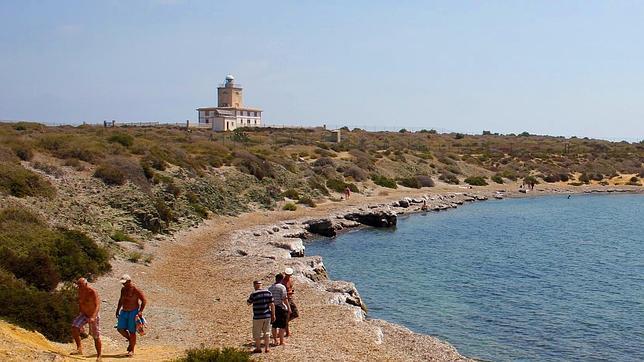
column 235, row 85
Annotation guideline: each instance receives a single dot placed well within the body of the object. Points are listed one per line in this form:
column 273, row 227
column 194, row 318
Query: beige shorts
column 261, row 327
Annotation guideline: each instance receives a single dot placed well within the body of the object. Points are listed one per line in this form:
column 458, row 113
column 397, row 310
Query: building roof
column 229, row 109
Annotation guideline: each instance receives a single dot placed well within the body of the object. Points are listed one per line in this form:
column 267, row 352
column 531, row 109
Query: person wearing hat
column 293, row 312
column 127, row 311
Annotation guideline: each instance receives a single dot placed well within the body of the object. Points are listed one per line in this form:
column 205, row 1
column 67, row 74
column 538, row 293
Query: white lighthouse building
column 230, row 112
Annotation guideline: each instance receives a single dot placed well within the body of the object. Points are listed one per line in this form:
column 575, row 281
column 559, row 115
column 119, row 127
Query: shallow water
column 545, row 278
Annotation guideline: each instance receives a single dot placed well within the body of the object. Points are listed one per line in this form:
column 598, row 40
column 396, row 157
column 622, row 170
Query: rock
column 322, row 227
column 301, row 235
column 379, row 218
column 403, row 203
column 481, row 198
column 349, row 224
column 294, row 246
column 276, row 229
column 285, row 227
column 257, row 233
column 348, row 291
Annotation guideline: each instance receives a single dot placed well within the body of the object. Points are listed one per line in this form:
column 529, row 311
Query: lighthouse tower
column 230, row 112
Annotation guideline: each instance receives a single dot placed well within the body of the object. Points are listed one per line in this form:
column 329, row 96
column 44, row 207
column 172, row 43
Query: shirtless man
column 88, row 305
column 129, row 302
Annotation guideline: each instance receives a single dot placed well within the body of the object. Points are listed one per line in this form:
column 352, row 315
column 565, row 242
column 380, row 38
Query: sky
column 546, row 67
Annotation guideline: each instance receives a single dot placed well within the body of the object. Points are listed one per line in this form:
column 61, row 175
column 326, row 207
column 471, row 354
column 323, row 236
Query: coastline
column 200, row 278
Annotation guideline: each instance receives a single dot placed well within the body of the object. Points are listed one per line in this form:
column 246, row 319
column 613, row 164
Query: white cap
column 125, row 278
column 288, row 271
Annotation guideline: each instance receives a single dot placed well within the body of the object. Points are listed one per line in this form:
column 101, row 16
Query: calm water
column 540, row 279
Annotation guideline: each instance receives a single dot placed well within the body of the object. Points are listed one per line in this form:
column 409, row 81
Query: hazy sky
column 547, row 67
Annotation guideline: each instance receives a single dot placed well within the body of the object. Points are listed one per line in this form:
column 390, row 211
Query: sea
column 547, row 278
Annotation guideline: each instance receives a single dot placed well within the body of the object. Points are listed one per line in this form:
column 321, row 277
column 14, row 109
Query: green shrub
column 228, row 354
column 74, row 163
column 338, row 185
column 252, row 164
column 498, row 179
column 20, row 182
column 410, row 182
column 449, row 178
column 49, row 313
column 476, row 181
column 289, row 206
column 110, row 174
column 165, row 213
column 121, row 236
column 307, row 200
column 291, row 194
column 584, row 178
column 23, row 152
column 122, row 138
column 134, row 256
column 384, row 181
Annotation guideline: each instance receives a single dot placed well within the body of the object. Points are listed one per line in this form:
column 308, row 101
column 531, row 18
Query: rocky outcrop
column 380, row 218
column 322, row 227
column 293, row 245
column 346, row 292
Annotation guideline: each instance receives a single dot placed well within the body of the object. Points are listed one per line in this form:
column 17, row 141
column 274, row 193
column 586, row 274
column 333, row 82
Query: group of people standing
column 129, row 313
column 273, row 309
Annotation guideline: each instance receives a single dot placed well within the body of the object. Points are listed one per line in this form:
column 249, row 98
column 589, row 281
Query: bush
column 449, row 178
column 48, row 169
column 289, row 206
column 410, row 182
column 356, row 173
column 476, row 181
column 20, row 182
column 425, row 181
column 324, row 161
column 338, row 185
column 252, row 164
column 384, row 181
column 498, row 179
column 134, row 256
column 110, row 175
column 584, row 178
column 122, row 138
column 49, row 313
column 74, row 163
column 307, row 200
column 165, row 212
column 228, row 354
column 23, row 152
column 291, row 194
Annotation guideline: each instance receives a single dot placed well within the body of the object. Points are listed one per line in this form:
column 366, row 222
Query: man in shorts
column 263, row 315
column 280, row 299
column 88, row 305
column 130, row 306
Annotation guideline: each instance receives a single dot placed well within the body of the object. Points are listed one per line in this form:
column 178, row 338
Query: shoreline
column 210, row 268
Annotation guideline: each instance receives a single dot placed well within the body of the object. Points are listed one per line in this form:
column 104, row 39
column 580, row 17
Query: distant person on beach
column 424, row 207
column 347, row 193
column 282, row 308
column 263, row 315
column 128, row 311
column 290, row 291
column 88, row 305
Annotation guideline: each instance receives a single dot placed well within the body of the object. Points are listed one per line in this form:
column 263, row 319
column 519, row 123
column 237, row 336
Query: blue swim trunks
column 126, row 320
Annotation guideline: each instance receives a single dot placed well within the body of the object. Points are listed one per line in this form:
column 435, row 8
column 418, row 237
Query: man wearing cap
column 127, row 310
column 292, row 311
column 263, row 314
column 88, row 304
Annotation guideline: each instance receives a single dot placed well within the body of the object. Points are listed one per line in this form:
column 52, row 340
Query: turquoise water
column 535, row 279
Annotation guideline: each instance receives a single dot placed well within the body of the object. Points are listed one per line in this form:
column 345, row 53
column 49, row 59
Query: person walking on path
column 282, row 308
column 347, row 193
column 290, row 291
column 263, row 314
column 127, row 311
column 88, row 305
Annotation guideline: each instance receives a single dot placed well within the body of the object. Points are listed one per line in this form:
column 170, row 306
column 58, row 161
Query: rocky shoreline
column 286, row 240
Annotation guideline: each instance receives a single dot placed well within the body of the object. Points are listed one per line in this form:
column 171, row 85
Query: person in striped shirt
column 263, row 315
